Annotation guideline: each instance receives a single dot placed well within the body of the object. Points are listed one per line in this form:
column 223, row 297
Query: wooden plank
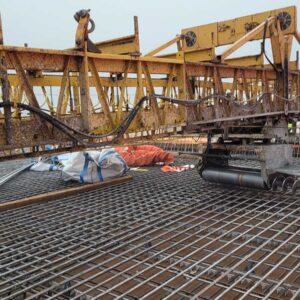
column 55, row 195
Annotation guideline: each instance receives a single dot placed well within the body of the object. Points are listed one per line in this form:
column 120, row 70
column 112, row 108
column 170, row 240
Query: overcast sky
column 50, row 23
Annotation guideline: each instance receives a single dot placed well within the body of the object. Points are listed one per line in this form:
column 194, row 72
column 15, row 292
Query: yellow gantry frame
column 121, row 67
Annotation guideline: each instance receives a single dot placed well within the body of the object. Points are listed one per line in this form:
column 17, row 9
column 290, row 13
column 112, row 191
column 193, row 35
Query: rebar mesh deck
column 170, row 236
column 29, row 183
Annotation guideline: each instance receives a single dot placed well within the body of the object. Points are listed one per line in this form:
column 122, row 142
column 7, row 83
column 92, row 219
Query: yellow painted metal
column 235, row 32
column 123, row 45
column 206, row 37
column 164, row 46
column 227, row 32
column 47, row 100
column 63, row 88
column 102, row 95
column 200, row 55
column 86, row 110
column 249, row 36
column 250, row 60
column 81, row 32
column 56, row 80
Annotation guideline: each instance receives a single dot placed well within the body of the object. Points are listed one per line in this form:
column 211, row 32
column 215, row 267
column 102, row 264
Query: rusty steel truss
column 108, row 92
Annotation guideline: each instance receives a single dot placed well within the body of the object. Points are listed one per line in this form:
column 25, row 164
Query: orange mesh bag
column 145, row 155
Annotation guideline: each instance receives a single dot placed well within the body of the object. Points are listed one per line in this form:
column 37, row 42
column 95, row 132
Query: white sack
column 94, row 166
column 51, row 163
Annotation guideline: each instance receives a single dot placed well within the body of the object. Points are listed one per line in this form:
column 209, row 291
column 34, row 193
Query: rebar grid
column 32, row 183
column 170, row 236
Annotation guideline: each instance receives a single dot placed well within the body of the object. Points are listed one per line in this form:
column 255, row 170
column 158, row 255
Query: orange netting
column 145, row 155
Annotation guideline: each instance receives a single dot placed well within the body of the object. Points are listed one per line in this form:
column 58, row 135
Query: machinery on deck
column 108, row 93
